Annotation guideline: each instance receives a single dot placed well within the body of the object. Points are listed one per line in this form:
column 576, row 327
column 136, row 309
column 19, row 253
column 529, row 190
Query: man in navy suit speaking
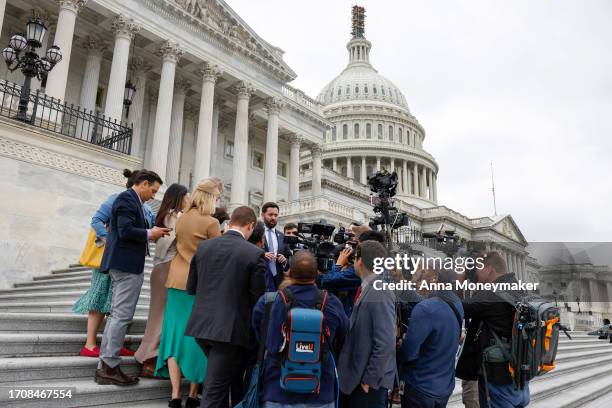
column 274, row 247
column 124, row 257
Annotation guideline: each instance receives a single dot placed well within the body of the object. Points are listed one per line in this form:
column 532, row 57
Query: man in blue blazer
column 366, row 367
column 274, row 245
column 123, row 259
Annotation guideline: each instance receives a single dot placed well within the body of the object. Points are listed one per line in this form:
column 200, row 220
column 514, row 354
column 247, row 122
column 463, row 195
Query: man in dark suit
column 226, row 276
column 274, row 246
column 366, row 366
column 123, row 259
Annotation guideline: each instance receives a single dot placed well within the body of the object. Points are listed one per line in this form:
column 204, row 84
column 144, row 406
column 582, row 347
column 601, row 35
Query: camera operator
column 342, row 280
column 274, row 247
column 490, row 314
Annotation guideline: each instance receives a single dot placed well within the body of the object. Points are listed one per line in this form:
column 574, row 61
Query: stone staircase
column 40, row 338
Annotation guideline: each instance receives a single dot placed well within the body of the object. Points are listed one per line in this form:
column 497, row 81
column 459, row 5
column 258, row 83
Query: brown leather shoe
column 107, row 375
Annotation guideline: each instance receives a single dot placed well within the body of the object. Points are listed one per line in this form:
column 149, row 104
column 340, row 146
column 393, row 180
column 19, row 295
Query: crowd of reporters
column 389, row 347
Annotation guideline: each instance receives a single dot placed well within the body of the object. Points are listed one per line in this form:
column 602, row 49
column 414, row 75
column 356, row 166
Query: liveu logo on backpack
column 305, row 346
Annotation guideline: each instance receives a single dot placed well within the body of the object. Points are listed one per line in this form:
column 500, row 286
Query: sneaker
column 125, row 352
column 85, row 352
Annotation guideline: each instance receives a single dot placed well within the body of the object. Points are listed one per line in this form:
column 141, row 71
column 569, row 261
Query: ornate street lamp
column 21, row 54
column 128, row 96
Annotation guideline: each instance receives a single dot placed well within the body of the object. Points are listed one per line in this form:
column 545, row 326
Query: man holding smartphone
column 274, row 247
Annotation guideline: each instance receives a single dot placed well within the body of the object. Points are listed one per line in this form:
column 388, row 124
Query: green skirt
column 98, row 297
column 173, row 343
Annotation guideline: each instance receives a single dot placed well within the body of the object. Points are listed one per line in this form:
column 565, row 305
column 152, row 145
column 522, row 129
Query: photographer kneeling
column 491, row 318
column 427, row 354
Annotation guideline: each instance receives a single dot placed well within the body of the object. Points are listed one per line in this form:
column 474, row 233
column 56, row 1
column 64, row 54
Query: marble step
column 23, row 370
column 54, row 286
column 86, row 393
column 47, row 344
column 559, row 385
column 602, row 401
column 56, row 323
column 78, row 274
column 44, row 297
column 62, row 306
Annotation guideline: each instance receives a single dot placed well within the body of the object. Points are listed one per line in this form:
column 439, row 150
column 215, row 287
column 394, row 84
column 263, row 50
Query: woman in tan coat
column 180, row 355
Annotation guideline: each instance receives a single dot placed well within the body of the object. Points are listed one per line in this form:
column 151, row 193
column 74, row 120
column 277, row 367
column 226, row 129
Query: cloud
column 526, row 85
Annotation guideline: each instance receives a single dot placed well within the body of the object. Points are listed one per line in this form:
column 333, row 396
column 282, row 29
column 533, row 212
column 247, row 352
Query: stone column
column 241, row 146
column 406, row 189
column 2, row 9
column 434, row 178
column 91, row 74
column 141, row 70
column 335, row 164
column 364, row 172
column 349, row 167
column 124, row 32
column 317, row 153
column 424, row 182
column 210, row 74
column 170, row 53
column 58, row 77
column 188, row 146
column 150, row 128
column 294, row 168
column 176, row 131
column 377, row 163
column 429, row 180
column 218, row 105
column 273, row 105
column 415, row 179
column 392, row 165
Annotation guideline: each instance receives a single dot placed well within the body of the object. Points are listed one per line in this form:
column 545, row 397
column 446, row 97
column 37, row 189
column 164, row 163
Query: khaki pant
column 469, row 393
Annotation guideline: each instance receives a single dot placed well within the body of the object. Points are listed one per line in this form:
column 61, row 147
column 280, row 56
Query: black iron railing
column 54, row 115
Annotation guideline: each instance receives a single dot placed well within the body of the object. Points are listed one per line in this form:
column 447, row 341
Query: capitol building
column 210, row 97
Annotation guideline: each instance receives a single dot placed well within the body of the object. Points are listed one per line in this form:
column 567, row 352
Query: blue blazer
column 272, row 281
column 368, row 355
column 127, row 243
column 101, row 218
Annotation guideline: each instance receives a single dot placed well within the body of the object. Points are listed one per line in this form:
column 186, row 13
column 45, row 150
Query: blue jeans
column 503, row 395
column 412, row 398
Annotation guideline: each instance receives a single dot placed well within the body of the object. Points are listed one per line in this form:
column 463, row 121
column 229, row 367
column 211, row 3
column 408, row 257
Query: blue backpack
column 305, row 333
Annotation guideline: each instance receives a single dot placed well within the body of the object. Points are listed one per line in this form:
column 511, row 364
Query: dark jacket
column 127, row 243
column 226, row 275
column 495, row 314
column 427, row 355
column 272, row 281
column 368, row 354
column 342, row 283
column 336, row 321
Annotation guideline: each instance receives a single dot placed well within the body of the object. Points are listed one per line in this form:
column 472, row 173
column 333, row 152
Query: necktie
column 271, row 249
column 357, row 295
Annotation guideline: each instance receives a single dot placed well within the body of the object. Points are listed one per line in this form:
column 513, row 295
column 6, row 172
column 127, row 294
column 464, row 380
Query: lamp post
column 21, row 54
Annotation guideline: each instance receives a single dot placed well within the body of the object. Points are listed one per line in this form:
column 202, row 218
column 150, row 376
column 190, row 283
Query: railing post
column 35, row 107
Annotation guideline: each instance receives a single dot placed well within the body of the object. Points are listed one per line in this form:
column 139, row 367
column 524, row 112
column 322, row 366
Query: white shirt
column 272, row 246
column 238, row 231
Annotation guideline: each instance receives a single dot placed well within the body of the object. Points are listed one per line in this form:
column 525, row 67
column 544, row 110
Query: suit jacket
column 272, row 281
column 368, row 354
column 226, row 276
column 127, row 242
column 191, row 229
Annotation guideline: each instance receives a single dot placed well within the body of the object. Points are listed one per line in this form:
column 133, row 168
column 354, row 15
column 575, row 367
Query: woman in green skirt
column 180, row 355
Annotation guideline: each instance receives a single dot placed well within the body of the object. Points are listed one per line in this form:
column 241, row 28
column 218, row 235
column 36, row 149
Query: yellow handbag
column 92, row 254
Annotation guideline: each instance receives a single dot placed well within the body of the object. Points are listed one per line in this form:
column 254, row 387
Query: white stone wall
column 51, row 186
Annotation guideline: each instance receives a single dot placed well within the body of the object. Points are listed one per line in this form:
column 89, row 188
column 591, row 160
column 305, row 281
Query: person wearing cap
column 179, row 355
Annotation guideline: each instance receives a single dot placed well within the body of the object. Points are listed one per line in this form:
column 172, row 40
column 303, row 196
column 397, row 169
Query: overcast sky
column 524, row 84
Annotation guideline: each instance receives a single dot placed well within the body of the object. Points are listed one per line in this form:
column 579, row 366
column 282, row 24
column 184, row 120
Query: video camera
column 383, row 185
column 314, row 237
